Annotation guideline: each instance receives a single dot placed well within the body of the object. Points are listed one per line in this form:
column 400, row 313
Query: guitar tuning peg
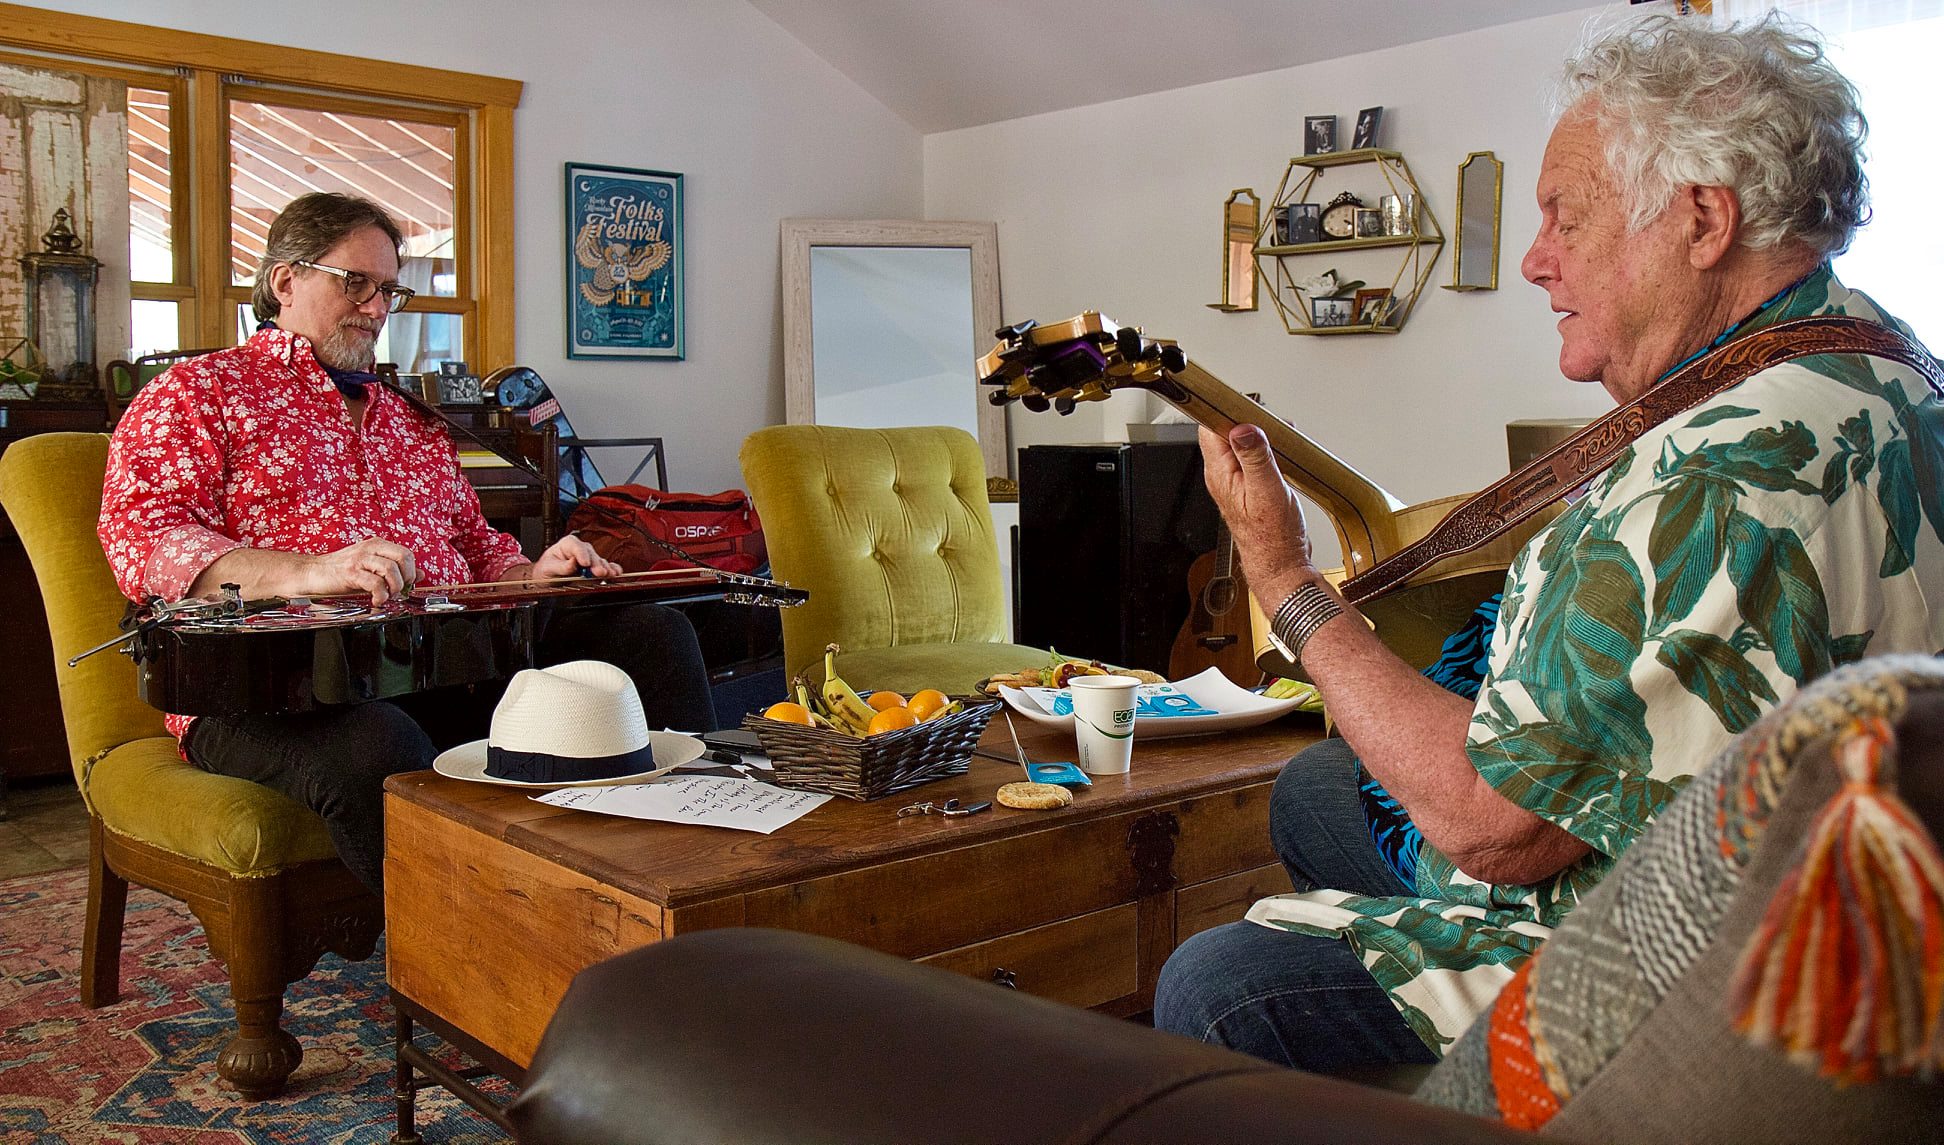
column 1173, row 360
column 998, row 397
column 1036, row 403
column 1127, row 340
column 1063, row 405
column 1013, row 335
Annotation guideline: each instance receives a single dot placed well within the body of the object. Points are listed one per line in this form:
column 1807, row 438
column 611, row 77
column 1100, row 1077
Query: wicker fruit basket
column 819, row 759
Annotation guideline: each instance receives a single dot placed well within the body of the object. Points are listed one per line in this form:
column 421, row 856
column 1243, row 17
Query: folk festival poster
column 624, row 263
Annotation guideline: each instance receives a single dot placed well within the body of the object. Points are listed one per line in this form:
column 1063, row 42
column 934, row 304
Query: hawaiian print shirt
column 1731, row 555
column 253, row 446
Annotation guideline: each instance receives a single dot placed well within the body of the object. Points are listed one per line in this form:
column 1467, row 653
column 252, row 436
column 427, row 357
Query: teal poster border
column 625, row 291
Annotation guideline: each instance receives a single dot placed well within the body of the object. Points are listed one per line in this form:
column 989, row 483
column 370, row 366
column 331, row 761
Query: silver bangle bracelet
column 1299, row 616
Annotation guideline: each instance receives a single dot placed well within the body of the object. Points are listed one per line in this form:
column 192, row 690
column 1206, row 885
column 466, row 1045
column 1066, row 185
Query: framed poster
column 624, row 263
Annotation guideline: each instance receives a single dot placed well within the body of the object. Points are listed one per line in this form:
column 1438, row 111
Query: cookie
column 1034, row 796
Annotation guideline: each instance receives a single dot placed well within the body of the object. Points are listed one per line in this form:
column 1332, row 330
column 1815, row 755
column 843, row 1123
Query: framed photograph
column 1370, row 223
column 1302, row 223
column 624, row 263
column 1366, row 133
column 1372, row 306
column 458, row 385
column 1331, row 311
column 1319, row 134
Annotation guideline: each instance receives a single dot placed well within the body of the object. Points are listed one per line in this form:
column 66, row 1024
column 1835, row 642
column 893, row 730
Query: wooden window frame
column 203, row 72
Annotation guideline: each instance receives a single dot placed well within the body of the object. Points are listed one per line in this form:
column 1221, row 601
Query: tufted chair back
column 891, row 532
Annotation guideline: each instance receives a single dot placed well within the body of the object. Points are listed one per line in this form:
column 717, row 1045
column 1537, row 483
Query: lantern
column 60, row 286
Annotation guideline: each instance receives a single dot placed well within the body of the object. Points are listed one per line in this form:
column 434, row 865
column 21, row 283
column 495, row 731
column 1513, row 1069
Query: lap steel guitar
column 281, row 656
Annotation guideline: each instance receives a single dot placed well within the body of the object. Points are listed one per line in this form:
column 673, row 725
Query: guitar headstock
column 1082, row 359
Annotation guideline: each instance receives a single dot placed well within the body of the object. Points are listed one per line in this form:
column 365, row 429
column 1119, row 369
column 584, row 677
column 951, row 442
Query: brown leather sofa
column 767, row 1036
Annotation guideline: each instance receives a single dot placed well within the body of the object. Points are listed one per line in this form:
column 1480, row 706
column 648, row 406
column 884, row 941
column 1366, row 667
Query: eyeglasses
column 359, row 287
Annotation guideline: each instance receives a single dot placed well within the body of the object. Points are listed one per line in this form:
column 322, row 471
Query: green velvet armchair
column 891, row 532
column 257, row 870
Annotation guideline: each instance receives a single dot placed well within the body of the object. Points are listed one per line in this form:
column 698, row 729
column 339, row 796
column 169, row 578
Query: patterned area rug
column 144, row 1069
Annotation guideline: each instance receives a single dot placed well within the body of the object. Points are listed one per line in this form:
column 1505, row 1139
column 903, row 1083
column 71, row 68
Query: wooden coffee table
column 493, row 902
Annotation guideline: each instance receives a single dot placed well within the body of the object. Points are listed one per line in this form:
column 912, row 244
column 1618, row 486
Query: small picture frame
column 1370, row 223
column 458, row 386
column 1319, row 134
column 1372, row 306
column 1366, row 133
column 1302, row 223
column 1331, row 311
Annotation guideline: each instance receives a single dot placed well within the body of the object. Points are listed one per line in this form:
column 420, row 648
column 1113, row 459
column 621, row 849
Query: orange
column 788, row 712
column 891, row 720
column 883, row 699
column 927, row 702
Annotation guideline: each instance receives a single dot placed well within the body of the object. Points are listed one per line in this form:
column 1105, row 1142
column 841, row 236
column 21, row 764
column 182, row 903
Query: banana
column 817, row 718
column 847, row 709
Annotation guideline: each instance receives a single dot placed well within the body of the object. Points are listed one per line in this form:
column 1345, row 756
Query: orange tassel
column 1846, row 971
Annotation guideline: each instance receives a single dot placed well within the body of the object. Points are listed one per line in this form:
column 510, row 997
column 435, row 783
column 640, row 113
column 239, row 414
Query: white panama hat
column 577, row 724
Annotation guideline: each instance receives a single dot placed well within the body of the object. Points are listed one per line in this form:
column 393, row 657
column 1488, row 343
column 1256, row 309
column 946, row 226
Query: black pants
column 335, row 761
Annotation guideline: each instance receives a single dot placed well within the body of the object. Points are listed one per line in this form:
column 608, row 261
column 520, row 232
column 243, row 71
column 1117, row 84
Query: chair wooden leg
column 261, row 1056
column 102, row 937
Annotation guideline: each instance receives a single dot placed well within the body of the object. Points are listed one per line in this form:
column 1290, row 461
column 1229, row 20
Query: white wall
column 1117, row 207
column 760, row 127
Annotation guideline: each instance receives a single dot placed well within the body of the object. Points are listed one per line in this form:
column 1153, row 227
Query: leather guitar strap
column 1537, row 484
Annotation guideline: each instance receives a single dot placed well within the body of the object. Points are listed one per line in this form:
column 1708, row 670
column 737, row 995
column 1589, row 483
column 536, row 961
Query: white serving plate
column 1201, row 704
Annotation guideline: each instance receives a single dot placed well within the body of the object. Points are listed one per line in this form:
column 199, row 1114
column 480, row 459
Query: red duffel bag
column 718, row 529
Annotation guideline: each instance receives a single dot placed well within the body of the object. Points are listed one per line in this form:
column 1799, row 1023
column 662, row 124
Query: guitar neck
column 1365, row 514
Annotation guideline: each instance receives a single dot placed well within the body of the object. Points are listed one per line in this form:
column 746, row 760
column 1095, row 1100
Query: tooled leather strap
column 1567, row 466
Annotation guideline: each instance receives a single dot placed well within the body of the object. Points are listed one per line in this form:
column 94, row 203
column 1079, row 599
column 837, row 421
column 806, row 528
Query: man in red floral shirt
column 281, row 467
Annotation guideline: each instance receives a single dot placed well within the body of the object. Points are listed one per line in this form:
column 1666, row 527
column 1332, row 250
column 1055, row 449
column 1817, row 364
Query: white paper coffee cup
column 1103, row 722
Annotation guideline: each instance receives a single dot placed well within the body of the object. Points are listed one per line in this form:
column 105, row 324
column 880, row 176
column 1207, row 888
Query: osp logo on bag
column 623, row 522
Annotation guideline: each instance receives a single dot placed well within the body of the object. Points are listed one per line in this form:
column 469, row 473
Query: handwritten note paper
column 703, row 799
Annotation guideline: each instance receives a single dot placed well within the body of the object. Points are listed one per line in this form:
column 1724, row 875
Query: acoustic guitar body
column 1414, row 621
column 1217, row 632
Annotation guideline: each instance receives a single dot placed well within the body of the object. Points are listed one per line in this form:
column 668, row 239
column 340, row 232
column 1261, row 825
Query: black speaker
column 1106, row 535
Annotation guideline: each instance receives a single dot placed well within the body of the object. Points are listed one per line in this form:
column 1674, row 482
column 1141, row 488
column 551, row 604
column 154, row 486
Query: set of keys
column 951, row 808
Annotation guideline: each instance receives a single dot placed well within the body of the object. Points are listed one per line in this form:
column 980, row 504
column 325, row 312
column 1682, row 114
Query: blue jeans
column 334, row 761
column 1290, row 998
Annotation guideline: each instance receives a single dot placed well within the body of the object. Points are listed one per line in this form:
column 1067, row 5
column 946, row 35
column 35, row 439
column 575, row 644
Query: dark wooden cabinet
column 34, row 743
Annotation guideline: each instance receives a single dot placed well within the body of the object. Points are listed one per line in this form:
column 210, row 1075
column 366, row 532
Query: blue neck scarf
column 353, row 384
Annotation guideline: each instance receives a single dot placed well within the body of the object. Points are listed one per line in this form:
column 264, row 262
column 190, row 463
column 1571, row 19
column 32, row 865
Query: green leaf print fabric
column 1731, row 555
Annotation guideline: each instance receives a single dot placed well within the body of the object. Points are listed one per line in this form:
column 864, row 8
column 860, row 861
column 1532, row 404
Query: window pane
column 1895, row 258
column 416, row 343
column 152, row 328
column 151, row 239
column 278, row 153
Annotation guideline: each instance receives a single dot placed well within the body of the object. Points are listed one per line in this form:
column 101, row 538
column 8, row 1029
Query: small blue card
column 1062, row 774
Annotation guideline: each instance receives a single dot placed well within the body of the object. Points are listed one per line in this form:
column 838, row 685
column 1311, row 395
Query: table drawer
column 1209, row 904
column 1086, row 961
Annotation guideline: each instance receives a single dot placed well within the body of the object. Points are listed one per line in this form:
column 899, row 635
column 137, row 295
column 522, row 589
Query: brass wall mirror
column 883, row 324
column 1474, row 261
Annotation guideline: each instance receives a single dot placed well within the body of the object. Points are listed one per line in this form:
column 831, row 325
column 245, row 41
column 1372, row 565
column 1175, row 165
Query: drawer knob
column 1004, row 977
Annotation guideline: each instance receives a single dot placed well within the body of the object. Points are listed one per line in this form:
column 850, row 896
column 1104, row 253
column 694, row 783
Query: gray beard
column 343, row 349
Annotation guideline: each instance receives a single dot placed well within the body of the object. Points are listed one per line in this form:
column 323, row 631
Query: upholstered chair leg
column 262, row 1054
column 102, row 936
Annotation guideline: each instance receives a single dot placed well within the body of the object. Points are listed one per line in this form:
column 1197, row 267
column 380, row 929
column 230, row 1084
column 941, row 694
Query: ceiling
column 946, row 64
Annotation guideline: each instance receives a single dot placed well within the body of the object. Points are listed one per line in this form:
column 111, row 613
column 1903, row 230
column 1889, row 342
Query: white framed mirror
column 884, row 321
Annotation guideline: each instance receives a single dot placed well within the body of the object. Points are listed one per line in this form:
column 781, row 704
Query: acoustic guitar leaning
column 1216, row 633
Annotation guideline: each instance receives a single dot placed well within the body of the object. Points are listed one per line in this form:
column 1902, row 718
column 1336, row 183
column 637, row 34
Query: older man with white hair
column 1692, row 194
